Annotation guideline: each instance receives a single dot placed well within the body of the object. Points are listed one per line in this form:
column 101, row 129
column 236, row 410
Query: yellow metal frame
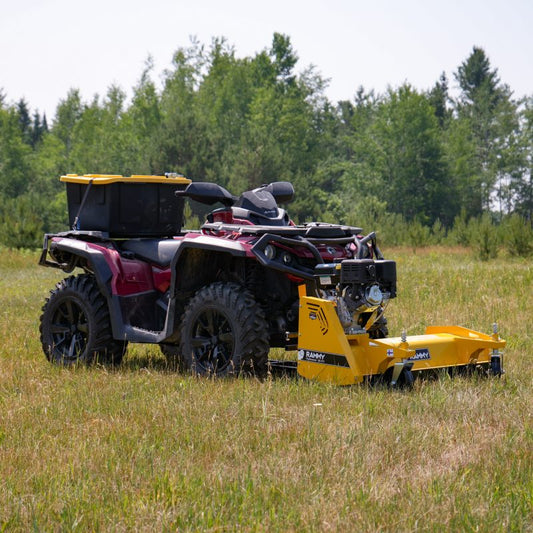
column 106, row 179
column 326, row 353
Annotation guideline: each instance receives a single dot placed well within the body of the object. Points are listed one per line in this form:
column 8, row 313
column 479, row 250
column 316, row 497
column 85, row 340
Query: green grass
column 142, row 448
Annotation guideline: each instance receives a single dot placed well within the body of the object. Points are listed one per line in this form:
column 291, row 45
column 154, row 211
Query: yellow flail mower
column 333, row 349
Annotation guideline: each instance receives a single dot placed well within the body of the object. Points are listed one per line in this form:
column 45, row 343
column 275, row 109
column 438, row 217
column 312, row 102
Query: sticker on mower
column 421, row 354
column 323, row 358
column 317, row 313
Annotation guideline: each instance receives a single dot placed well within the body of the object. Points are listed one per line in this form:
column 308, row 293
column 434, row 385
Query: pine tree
column 438, row 97
column 284, row 57
column 36, row 129
column 477, row 80
column 486, row 111
column 24, row 120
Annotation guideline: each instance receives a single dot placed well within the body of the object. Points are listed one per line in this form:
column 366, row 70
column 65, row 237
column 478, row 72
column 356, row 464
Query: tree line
column 428, row 162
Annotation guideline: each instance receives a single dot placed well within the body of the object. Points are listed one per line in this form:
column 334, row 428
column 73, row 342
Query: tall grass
column 143, row 448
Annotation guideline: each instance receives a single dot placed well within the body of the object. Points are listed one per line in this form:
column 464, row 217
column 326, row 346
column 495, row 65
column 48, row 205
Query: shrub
column 518, row 236
column 20, row 225
column 418, row 235
column 484, row 237
column 438, row 232
column 460, row 233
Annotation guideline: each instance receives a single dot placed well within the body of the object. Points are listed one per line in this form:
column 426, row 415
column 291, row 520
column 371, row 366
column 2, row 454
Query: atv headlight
column 270, row 252
column 287, row 258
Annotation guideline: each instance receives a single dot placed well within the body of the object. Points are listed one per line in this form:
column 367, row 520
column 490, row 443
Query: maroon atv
column 216, row 299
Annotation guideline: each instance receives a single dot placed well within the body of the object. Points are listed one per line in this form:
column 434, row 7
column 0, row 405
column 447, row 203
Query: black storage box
column 135, row 206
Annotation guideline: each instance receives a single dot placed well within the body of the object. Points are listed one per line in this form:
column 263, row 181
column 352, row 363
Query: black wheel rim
column 212, row 341
column 70, row 330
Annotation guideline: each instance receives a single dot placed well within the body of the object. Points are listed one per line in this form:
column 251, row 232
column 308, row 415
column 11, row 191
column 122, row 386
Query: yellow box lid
column 106, row 179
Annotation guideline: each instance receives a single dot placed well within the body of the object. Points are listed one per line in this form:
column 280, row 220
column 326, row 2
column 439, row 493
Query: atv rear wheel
column 75, row 324
column 224, row 332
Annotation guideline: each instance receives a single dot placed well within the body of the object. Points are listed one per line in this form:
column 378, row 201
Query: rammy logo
column 314, row 357
column 324, row 358
column 421, row 354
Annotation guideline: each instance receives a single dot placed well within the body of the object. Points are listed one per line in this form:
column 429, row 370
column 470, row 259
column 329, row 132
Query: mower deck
column 327, row 353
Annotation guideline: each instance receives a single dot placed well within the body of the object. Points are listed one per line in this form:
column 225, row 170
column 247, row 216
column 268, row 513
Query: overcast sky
column 50, row 46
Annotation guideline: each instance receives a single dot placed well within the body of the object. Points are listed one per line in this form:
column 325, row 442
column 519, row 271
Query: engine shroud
column 359, row 273
column 369, row 272
column 357, row 286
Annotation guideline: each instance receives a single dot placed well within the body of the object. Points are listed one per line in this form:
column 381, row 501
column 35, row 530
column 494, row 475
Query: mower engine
column 360, row 288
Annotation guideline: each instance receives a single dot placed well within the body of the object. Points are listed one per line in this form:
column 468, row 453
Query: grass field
column 142, row 448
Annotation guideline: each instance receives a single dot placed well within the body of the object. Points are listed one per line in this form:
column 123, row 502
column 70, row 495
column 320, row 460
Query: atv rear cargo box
column 135, row 206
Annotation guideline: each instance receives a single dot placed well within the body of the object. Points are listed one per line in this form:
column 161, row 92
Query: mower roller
column 217, row 299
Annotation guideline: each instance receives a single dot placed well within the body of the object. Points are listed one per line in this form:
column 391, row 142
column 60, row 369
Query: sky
column 50, row 46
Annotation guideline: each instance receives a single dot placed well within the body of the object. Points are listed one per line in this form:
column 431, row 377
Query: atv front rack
column 313, row 231
column 307, row 236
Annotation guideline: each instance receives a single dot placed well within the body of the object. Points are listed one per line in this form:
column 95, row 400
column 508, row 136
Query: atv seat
column 156, row 251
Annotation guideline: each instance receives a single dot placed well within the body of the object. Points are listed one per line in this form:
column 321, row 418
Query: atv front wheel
column 224, row 332
column 75, row 324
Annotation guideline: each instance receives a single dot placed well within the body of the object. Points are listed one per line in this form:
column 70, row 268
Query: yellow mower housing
column 327, row 353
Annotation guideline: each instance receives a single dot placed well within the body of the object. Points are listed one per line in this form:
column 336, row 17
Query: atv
column 217, row 299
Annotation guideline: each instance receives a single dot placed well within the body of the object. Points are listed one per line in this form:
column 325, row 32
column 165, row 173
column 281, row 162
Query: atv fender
column 216, row 244
column 94, row 259
column 186, row 276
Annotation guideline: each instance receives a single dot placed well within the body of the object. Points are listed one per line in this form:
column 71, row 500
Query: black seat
column 259, row 207
column 156, row 251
